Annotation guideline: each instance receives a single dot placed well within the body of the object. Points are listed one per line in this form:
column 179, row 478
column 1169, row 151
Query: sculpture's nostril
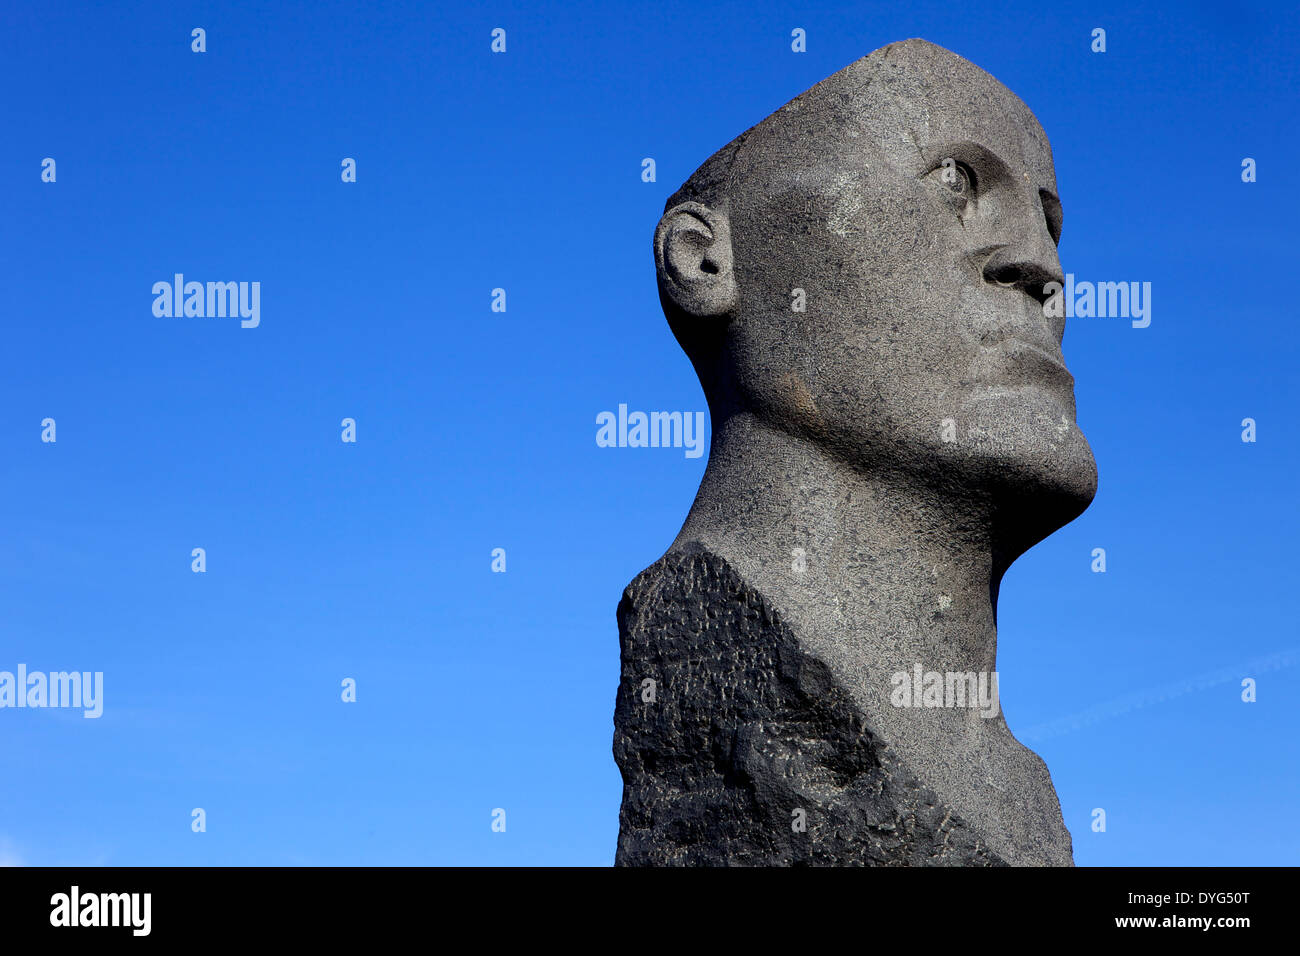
column 1027, row 277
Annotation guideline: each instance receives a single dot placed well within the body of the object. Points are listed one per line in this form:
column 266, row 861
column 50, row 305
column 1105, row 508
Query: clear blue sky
column 476, row 429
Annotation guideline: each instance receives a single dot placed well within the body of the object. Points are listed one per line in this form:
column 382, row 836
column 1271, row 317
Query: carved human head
column 866, row 269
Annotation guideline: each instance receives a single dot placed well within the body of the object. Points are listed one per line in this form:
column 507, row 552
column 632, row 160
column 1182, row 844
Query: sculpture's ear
column 693, row 258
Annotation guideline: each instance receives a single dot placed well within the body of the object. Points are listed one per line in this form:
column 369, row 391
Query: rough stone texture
column 878, row 459
column 747, row 728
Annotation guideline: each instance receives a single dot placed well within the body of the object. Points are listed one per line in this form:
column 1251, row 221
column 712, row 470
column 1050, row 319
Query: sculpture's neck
column 887, row 563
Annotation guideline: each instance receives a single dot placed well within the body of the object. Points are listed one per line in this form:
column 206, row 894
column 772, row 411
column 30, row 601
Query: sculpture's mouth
column 1017, row 362
column 1016, row 345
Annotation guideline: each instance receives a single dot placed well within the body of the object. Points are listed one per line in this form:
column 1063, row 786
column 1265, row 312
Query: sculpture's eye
column 958, row 183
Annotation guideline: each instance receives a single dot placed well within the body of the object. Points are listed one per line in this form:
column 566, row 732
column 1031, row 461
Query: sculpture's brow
column 986, row 159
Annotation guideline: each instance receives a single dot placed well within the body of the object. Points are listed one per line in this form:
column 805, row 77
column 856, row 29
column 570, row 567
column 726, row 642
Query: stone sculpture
column 859, row 281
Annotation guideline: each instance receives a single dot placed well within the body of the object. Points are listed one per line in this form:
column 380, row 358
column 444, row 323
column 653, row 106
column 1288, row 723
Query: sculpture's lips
column 1020, row 362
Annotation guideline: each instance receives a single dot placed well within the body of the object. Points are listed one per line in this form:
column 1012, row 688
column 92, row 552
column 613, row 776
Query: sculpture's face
column 920, row 218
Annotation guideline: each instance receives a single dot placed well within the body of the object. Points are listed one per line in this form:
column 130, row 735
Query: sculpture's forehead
column 912, row 104
column 937, row 99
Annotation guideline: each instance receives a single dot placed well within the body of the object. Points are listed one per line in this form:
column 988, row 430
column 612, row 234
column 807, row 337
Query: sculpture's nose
column 1027, row 265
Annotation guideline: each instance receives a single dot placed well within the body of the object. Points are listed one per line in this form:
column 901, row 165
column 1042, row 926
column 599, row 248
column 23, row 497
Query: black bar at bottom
column 943, row 906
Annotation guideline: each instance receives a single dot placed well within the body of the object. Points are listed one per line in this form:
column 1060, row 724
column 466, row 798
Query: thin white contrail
column 1158, row 695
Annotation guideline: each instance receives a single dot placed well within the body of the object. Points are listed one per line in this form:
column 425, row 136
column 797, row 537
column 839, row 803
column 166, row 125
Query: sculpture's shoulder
column 685, row 590
column 757, row 749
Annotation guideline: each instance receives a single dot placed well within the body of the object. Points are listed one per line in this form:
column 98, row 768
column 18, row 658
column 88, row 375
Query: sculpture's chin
column 1051, row 492
column 1025, row 450
column 1037, row 493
